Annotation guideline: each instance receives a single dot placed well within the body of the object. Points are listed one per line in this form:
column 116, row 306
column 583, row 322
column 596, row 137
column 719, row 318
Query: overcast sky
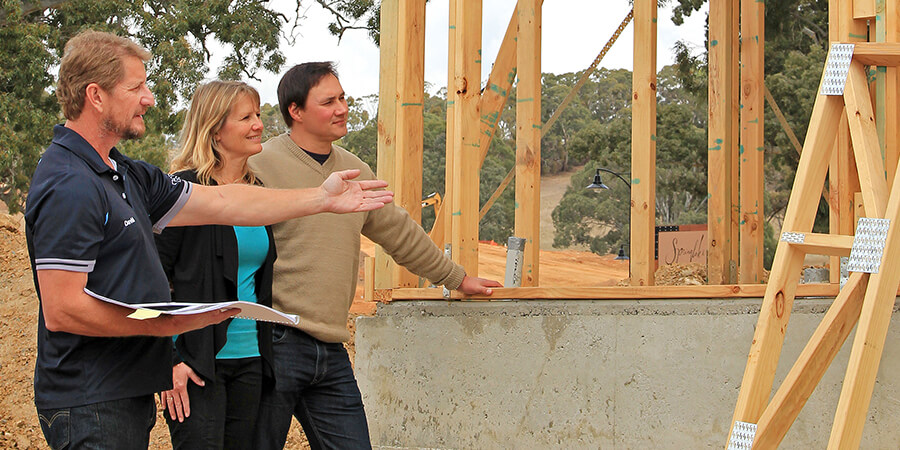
column 574, row 32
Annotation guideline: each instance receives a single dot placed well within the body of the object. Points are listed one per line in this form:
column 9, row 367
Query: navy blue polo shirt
column 83, row 216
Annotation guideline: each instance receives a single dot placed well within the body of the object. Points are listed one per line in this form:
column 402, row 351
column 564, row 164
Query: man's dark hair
column 295, row 85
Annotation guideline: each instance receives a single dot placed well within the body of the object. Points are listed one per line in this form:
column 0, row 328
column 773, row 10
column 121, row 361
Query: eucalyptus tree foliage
column 179, row 33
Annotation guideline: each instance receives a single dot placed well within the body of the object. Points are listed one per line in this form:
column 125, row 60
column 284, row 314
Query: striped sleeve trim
column 173, row 211
column 71, row 265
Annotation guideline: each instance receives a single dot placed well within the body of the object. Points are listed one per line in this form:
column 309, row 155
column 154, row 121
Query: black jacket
column 201, row 263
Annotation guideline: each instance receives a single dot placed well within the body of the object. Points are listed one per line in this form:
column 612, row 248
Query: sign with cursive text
column 682, row 246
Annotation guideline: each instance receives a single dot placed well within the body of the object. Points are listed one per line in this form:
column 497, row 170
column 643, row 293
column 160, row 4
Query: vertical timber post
column 643, row 144
column 843, row 180
column 752, row 140
column 410, row 70
column 528, row 137
column 721, row 140
column 464, row 91
column 387, row 124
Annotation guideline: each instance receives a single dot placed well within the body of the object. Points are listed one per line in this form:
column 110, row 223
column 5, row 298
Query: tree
column 178, row 33
column 601, row 219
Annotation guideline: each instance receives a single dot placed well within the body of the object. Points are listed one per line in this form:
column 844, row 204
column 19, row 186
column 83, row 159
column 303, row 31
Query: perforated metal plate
column 845, row 274
column 792, row 237
column 742, row 436
column 836, row 69
column 868, row 245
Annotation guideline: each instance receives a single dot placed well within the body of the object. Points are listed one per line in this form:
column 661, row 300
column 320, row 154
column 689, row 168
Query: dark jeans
column 116, row 424
column 223, row 413
column 314, row 382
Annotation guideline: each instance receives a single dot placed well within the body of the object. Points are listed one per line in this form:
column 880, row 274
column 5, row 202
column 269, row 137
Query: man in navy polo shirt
column 90, row 215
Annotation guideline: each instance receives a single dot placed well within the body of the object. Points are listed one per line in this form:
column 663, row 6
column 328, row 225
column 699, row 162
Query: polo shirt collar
column 75, row 143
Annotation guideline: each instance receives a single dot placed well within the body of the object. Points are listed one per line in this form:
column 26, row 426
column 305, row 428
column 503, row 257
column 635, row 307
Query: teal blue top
column 253, row 245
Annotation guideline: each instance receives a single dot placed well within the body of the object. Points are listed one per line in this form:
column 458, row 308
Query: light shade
column 622, row 255
column 598, row 183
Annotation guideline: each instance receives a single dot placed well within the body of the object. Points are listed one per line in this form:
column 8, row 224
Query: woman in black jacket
column 219, row 372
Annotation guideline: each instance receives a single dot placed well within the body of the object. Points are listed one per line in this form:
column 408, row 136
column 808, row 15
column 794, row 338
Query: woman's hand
column 176, row 400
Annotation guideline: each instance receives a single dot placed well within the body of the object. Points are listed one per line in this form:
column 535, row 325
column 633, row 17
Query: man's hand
column 176, row 400
column 475, row 285
column 342, row 195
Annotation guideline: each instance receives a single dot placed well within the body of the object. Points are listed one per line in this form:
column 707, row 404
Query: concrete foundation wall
column 587, row 374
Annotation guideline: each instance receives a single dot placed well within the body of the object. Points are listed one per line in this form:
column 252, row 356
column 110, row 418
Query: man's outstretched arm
column 236, row 204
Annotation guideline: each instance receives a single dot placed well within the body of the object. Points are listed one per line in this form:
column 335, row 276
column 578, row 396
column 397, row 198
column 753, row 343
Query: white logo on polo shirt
column 129, row 221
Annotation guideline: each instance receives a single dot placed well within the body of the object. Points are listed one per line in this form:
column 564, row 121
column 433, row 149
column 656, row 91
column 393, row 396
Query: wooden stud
column 720, row 140
column 752, row 141
column 861, row 119
column 491, row 105
column 410, row 125
column 465, row 92
column 442, row 228
column 369, row 281
column 528, row 138
column 735, row 142
column 387, row 123
column 891, row 139
column 842, row 172
column 643, row 145
column 878, row 102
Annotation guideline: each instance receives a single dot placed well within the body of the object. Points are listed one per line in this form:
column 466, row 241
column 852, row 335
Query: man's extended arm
column 68, row 308
column 235, row 204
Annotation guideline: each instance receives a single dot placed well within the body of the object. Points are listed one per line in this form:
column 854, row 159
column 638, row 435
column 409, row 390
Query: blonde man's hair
column 210, row 106
column 92, row 57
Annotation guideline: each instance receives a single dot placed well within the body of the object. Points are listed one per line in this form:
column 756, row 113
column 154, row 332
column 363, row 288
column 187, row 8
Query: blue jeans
column 314, row 382
column 223, row 413
column 116, row 424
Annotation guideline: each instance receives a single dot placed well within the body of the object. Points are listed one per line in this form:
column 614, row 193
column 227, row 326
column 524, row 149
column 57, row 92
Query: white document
column 253, row 311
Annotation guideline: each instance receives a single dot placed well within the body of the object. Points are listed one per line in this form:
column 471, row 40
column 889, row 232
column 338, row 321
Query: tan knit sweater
column 318, row 255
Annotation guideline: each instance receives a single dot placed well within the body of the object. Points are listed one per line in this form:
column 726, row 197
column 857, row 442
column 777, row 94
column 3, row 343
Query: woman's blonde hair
column 210, row 106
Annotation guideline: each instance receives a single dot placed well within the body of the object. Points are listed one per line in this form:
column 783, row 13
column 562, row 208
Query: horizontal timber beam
column 826, row 244
column 615, row 292
column 877, row 53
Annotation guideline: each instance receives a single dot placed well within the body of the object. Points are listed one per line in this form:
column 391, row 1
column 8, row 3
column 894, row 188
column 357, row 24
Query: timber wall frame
column 735, row 142
column 853, row 139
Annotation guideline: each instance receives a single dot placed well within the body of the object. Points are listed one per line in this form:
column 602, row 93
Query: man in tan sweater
column 317, row 267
